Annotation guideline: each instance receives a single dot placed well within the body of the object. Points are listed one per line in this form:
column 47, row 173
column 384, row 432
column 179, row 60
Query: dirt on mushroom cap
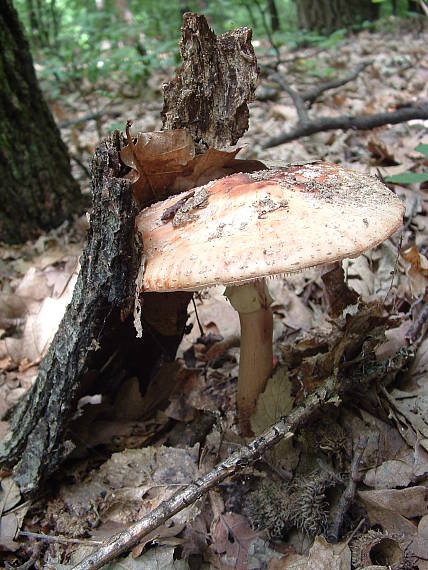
column 269, row 222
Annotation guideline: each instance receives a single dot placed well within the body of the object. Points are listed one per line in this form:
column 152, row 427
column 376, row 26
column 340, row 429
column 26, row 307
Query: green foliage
column 101, row 45
column 407, row 178
column 106, row 44
column 422, row 148
column 410, row 177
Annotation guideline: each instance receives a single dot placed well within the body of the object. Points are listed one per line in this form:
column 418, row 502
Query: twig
column 416, row 327
column 346, row 122
column 247, row 454
column 64, row 539
column 88, row 117
column 312, row 94
column 201, row 330
column 298, row 101
column 349, row 493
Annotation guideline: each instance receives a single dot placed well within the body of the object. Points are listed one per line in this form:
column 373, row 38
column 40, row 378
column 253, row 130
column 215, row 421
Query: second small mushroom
column 240, row 229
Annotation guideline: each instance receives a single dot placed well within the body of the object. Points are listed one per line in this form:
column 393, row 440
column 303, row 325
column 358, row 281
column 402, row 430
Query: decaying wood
column 217, row 79
column 103, row 289
column 96, row 342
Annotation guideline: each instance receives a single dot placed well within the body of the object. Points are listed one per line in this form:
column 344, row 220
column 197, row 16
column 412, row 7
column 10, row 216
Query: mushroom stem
column 252, row 301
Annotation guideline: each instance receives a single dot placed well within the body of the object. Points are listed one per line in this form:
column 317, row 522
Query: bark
column 93, row 329
column 37, row 190
column 330, row 15
column 212, row 68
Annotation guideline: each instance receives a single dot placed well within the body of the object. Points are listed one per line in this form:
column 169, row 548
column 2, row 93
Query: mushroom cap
column 246, row 226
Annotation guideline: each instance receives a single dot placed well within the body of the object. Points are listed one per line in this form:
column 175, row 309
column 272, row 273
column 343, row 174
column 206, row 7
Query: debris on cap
column 270, row 222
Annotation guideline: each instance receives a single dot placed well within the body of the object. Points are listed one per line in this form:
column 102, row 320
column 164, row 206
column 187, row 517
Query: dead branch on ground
column 247, row 454
column 345, row 122
column 349, row 493
column 306, row 126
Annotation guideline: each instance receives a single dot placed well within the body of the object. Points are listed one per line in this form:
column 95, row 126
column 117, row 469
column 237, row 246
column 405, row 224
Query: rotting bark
column 103, row 289
column 212, row 68
column 96, row 339
column 37, row 189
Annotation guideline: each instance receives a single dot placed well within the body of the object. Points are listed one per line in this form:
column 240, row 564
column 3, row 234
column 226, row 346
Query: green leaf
column 423, row 148
column 408, row 178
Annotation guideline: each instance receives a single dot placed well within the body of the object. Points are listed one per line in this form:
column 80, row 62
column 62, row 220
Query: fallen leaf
column 232, row 537
column 419, row 546
column 388, row 519
column 9, row 494
column 410, row 503
column 160, row 558
column 276, row 401
column 322, row 556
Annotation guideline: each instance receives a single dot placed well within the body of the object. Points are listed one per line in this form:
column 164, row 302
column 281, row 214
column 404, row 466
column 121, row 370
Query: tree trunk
column 274, row 18
column 37, row 190
column 330, row 15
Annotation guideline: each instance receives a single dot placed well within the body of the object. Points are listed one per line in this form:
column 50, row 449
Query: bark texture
column 330, row 15
column 217, row 79
column 102, row 290
column 37, row 190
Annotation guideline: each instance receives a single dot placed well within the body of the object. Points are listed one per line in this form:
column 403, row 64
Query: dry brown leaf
column 399, row 472
column 132, row 483
column 417, row 270
column 232, row 537
column 388, row 519
column 322, row 556
column 156, row 159
column 276, row 401
column 419, row 546
column 410, row 503
column 161, row 535
column 159, row 558
column 164, row 163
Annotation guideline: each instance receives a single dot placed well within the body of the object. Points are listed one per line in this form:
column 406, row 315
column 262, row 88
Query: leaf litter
column 142, row 449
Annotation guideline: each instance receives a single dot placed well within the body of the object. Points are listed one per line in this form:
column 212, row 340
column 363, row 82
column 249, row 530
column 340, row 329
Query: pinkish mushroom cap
column 244, row 227
column 247, row 226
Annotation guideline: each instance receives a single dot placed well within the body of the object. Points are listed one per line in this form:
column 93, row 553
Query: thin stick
column 345, row 122
column 64, row 539
column 349, row 493
column 181, row 499
column 201, row 330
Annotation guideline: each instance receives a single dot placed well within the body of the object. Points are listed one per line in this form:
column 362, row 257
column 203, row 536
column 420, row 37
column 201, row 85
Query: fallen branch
column 349, row 493
column 297, row 99
column 312, row 94
column 344, row 122
column 326, row 394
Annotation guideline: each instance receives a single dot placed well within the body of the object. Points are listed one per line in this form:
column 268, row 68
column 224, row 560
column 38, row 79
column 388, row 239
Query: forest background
column 103, row 62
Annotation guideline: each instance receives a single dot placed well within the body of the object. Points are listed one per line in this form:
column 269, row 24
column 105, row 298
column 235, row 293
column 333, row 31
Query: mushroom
column 242, row 228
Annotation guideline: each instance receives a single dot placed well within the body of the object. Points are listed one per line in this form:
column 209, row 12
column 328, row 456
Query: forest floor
column 133, row 452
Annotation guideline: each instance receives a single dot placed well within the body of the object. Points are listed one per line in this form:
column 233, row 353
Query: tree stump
column 98, row 324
